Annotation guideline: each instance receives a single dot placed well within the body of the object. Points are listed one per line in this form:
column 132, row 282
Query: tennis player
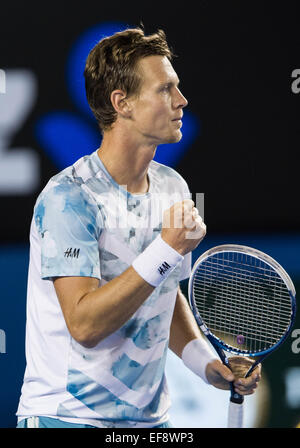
column 110, row 240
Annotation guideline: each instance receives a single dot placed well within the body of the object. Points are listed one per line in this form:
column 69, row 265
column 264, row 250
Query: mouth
column 177, row 121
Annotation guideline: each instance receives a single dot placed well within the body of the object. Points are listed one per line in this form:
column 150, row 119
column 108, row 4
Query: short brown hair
column 111, row 65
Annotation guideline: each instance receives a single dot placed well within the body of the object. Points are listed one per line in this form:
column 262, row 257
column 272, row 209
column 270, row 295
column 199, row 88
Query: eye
column 166, row 88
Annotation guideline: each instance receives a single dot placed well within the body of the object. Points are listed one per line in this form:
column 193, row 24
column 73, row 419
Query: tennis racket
column 245, row 303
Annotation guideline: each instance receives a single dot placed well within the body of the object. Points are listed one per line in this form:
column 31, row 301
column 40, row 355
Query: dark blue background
column 240, row 144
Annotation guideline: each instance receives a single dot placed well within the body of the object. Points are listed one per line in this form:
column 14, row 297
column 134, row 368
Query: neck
column 126, row 161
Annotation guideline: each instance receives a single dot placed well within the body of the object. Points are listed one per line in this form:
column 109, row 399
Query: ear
column 120, row 104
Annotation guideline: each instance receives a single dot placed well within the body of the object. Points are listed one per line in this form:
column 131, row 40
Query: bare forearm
column 103, row 310
column 205, row 363
column 183, row 327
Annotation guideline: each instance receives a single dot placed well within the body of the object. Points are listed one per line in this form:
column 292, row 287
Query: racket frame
column 219, row 345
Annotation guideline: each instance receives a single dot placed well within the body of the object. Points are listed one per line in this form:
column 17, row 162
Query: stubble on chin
column 175, row 138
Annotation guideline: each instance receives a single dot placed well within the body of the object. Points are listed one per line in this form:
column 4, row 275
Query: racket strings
column 257, row 308
column 242, row 300
column 247, row 292
column 240, row 274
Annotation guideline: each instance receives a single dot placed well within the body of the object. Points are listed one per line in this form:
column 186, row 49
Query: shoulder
column 166, row 174
column 61, row 189
column 71, row 185
column 65, row 196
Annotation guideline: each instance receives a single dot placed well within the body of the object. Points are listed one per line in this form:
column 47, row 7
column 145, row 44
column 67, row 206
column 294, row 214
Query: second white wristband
column 157, row 261
column 196, row 355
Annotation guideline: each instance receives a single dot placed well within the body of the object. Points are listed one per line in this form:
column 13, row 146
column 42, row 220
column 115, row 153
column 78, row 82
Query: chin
column 175, row 138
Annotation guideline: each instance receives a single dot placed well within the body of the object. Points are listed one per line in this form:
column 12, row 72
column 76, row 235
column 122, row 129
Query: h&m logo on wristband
column 163, row 268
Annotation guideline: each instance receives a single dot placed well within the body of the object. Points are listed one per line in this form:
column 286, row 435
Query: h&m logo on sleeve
column 163, row 268
column 72, row 253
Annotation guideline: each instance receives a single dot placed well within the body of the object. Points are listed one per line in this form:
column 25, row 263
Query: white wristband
column 196, row 355
column 157, row 261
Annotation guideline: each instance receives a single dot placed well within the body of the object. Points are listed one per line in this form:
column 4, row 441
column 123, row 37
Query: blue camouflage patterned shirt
column 85, row 224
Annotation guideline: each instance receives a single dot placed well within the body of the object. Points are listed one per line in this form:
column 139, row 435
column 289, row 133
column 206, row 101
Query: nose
column 180, row 101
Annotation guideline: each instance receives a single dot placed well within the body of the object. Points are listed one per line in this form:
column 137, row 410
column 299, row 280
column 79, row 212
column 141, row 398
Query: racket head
column 231, row 272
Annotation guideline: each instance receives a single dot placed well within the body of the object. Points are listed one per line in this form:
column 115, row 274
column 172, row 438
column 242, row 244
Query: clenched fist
column 182, row 227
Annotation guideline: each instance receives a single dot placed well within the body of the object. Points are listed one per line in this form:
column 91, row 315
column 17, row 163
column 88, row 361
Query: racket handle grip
column 234, row 396
column 235, row 415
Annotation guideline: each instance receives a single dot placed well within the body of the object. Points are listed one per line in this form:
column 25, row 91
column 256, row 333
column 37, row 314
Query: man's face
column 157, row 110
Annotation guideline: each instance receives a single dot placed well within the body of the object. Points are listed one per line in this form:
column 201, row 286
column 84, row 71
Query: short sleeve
column 69, row 224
